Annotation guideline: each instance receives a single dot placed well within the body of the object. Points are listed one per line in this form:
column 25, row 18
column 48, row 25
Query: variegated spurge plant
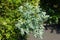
column 31, row 20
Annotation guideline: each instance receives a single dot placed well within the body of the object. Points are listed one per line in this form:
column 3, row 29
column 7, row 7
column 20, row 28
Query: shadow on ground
column 53, row 27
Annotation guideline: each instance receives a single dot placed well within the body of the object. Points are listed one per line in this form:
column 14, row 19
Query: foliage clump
column 18, row 18
column 32, row 20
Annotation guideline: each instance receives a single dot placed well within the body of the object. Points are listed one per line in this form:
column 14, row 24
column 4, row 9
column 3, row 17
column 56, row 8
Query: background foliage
column 8, row 17
column 52, row 8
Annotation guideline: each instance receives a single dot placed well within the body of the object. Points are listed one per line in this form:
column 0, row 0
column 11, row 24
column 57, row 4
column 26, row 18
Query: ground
column 47, row 36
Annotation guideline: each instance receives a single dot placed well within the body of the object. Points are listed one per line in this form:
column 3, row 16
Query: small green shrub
column 32, row 20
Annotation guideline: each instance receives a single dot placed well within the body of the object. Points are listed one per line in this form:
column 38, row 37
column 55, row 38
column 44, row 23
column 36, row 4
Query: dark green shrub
column 52, row 8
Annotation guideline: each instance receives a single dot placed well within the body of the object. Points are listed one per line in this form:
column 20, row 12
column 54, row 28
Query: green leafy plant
column 32, row 20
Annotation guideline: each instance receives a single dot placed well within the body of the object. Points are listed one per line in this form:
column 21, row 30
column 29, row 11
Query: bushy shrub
column 32, row 20
column 17, row 18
